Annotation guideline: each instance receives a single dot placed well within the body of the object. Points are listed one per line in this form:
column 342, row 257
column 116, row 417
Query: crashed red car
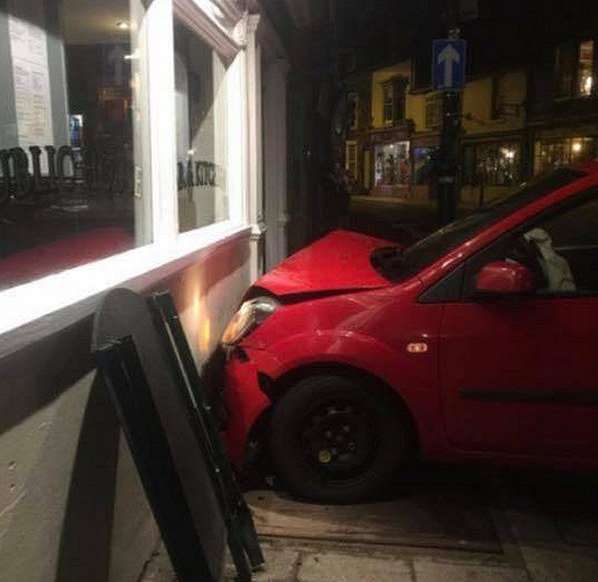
column 478, row 342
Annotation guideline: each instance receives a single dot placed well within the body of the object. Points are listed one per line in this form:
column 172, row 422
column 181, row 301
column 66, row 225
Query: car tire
column 337, row 440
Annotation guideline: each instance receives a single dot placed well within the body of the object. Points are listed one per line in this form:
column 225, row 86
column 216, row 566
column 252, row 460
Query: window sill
column 37, row 309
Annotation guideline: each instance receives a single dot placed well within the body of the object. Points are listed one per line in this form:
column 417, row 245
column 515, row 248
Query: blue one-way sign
column 448, row 64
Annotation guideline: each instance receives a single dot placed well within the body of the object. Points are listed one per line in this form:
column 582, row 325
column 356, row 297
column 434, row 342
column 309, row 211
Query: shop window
column 554, row 153
column 492, row 164
column 73, row 171
column 392, row 165
column 575, row 69
column 202, row 118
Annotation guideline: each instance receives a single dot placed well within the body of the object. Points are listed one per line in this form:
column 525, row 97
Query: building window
column 394, row 95
column 388, row 95
column 201, row 111
column 554, row 153
column 353, row 110
column 73, row 171
column 492, row 164
column 392, row 165
column 433, row 111
column 585, row 79
column 575, row 69
column 351, row 158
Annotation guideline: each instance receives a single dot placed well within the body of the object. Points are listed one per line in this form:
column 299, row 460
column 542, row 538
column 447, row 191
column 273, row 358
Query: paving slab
column 429, row 570
column 339, row 567
column 562, row 564
column 281, row 565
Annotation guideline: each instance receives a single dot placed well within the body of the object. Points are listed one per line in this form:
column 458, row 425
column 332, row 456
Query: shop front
column 391, row 162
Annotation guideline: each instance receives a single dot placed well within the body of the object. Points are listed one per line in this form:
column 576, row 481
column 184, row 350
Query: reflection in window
column 392, row 164
column 71, row 157
column 201, row 109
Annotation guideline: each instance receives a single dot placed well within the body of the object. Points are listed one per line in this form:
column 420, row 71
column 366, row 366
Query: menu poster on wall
column 29, row 49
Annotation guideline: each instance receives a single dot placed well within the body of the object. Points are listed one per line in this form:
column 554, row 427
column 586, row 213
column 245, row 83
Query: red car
column 479, row 342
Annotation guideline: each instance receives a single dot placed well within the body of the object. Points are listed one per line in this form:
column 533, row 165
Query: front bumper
column 244, row 400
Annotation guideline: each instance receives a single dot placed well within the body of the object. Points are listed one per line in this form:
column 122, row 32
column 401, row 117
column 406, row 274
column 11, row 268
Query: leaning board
column 125, row 314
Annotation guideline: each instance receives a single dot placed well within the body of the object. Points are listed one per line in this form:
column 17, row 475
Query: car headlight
column 250, row 315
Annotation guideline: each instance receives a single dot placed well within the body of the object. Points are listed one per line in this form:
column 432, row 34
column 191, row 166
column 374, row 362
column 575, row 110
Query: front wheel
column 334, row 440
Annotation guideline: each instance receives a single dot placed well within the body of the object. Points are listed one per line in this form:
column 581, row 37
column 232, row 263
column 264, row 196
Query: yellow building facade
column 391, row 153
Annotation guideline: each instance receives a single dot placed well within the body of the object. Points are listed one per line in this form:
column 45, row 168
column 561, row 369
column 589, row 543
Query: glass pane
column 201, row 109
column 586, row 68
column 72, row 157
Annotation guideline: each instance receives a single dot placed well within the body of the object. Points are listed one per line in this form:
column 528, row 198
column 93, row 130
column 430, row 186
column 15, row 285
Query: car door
column 519, row 375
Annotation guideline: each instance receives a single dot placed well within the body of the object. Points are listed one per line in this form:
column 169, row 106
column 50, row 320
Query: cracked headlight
column 250, row 315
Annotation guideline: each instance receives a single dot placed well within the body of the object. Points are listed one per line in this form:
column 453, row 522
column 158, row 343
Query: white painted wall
column 71, row 505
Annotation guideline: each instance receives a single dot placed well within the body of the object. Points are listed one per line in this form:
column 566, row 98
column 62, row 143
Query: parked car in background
column 476, row 343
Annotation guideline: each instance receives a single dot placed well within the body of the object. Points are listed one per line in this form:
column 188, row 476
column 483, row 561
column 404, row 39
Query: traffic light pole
column 448, row 167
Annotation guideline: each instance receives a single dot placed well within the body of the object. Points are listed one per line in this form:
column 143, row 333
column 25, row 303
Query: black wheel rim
column 338, row 439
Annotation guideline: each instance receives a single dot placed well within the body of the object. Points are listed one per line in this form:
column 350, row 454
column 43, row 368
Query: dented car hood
column 338, row 262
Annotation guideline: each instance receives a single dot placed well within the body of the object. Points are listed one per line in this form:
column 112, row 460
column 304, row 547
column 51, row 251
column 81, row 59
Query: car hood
column 338, row 262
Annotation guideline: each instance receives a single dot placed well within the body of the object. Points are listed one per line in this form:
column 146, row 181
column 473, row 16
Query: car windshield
column 399, row 265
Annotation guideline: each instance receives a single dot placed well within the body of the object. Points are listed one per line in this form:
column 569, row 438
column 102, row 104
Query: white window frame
column 48, row 304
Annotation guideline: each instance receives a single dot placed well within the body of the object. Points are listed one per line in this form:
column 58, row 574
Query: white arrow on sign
column 450, row 57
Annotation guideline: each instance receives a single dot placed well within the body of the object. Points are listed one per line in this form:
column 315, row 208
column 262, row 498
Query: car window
column 560, row 248
column 399, row 266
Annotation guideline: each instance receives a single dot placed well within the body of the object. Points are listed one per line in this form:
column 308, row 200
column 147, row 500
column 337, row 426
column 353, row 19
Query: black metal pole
column 449, row 140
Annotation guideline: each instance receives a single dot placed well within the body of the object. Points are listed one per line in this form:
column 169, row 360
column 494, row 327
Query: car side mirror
column 504, row 278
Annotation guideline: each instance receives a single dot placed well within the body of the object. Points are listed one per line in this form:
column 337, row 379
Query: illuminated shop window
column 73, row 170
column 201, row 110
column 392, row 164
column 554, row 153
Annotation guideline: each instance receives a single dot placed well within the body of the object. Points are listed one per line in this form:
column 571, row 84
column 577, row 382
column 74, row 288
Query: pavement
column 544, row 523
